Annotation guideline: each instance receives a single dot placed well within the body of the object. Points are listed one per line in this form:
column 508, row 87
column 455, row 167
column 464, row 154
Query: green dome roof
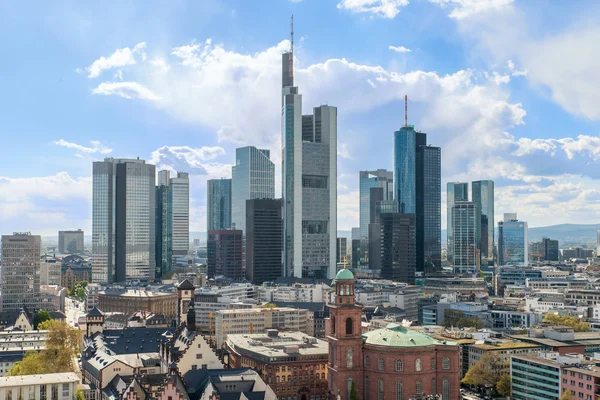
column 344, row 274
column 395, row 335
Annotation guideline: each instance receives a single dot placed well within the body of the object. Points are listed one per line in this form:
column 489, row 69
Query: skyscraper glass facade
column 464, row 223
column 456, row 191
column 483, row 197
column 264, row 240
column 371, row 179
column 103, row 221
column 405, row 169
column 252, row 177
column 218, row 204
column 164, row 228
column 429, row 218
column 180, row 199
column 513, row 246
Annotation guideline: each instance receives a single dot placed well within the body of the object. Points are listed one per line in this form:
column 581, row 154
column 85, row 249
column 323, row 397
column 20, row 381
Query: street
column 72, row 310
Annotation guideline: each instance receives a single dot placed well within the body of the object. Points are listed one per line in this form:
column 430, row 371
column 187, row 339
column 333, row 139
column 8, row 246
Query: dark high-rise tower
column 417, row 189
column 398, row 250
column 483, row 197
column 264, row 240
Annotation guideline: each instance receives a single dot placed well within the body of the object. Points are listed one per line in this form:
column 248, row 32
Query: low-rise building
column 129, row 301
column 71, row 274
column 444, row 284
column 286, row 361
column 91, row 296
column 50, row 272
column 39, row 387
column 503, row 348
column 15, row 344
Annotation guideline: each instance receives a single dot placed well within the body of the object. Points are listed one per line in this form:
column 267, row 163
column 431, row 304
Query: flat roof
column 275, row 346
column 44, row 379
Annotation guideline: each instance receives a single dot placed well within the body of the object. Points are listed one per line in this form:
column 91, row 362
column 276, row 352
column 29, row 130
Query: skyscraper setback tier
column 252, row 177
column 367, row 180
column 417, row 189
column 21, row 271
column 123, row 221
column 218, row 204
column 309, row 183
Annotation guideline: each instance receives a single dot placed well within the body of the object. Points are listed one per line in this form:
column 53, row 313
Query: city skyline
column 128, row 87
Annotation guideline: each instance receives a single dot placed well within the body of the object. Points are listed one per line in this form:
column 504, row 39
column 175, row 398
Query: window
column 277, row 379
column 366, row 388
column 367, row 362
column 399, row 365
column 445, row 388
column 333, row 325
column 348, row 357
column 348, row 326
column 399, row 390
column 349, row 387
column 418, row 388
column 198, row 356
column 323, row 375
column 54, row 391
column 380, row 390
column 418, row 365
column 380, row 364
column 43, row 395
column 433, row 364
column 194, row 367
column 445, row 363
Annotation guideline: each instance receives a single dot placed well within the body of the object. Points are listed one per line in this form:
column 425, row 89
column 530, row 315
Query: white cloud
column 120, row 58
column 128, row 90
column 400, row 49
column 381, row 8
column 118, row 75
column 342, row 150
column 499, row 79
column 182, row 158
column 96, row 147
column 467, row 8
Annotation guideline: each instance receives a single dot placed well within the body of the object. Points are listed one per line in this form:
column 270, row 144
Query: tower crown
column 344, row 287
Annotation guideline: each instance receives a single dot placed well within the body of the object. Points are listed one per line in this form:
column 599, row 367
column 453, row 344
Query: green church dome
column 394, row 335
column 344, row 274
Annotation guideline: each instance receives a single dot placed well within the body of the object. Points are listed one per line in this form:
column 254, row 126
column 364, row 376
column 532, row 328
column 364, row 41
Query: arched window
column 348, row 326
column 380, row 364
column 433, row 364
column 289, row 378
column 445, row 363
column 380, row 390
column 349, row 387
column 367, row 362
column 277, row 379
column 399, row 365
column 366, row 388
column 323, row 375
column 418, row 388
column 445, row 388
column 348, row 357
column 399, row 388
column 418, row 365
column 332, row 324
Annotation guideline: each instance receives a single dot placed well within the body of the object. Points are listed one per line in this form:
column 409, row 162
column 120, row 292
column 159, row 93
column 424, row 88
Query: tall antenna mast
column 406, row 111
column 292, row 47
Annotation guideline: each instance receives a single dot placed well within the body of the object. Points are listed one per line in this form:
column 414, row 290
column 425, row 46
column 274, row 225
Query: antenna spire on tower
column 292, row 47
column 406, row 111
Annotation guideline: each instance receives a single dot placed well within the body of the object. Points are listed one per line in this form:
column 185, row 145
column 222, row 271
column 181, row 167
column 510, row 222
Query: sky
column 507, row 88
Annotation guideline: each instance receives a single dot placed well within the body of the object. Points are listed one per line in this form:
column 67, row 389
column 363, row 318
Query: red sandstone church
column 394, row 363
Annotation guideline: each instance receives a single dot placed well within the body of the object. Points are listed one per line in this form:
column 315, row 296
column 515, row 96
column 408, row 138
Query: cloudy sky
column 508, row 89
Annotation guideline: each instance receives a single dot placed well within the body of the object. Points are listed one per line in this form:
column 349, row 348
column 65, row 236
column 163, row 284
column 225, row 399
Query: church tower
column 343, row 331
column 185, row 295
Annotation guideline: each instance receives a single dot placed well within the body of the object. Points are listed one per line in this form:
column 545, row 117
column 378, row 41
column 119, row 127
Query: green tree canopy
column 504, row 385
column 566, row 320
column 40, row 317
column 567, row 395
column 486, row 372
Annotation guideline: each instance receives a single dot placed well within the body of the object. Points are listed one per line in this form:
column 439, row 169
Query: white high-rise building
column 21, row 271
column 180, row 189
column 309, row 183
column 464, row 244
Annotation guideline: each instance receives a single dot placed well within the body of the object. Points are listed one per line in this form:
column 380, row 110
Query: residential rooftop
column 275, row 344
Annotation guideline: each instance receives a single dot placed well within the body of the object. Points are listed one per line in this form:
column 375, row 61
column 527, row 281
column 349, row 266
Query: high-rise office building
column 398, row 247
column 70, row 242
column 224, row 254
column 264, row 240
column 598, row 243
column 417, row 189
column 370, row 179
column 341, row 249
column 544, row 250
column 513, row 246
column 309, row 183
column 180, row 198
column 355, row 243
column 21, row 271
column 218, row 204
column 483, row 197
column 378, row 205
column 464, row 244
column 123, row 220
column 456, row 191
column 252, row 177
column 164, row 224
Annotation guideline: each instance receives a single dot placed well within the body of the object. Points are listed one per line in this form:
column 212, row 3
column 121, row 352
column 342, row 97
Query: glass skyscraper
column 464, row 245
column 252, row 177
column 309, row 183
column 483, row 197
column 417, row 190
column 123, row 221
column 367, row 180
column 513, row 246
column 263, row 240
column 218, row 204
column 456, row 191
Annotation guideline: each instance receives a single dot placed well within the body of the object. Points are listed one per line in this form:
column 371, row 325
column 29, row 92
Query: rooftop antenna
column 406, row 111
column 292, row 47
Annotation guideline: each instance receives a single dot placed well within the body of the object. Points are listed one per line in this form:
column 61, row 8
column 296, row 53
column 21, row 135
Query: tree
column 566, row 320
column 567, row 395
column 504, row 385
column 353, row 391
column 62, row 344
column 486, row 372
column 79, row 395
column 40, row 317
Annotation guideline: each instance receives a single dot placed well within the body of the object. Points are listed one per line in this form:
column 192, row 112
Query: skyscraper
column 70, row 242
column 252, row 177
column 264, row 240
column 218, row 204
column 224, row 254
column 513, row 245
column 123, row 220
column 21, row 271
column 456, row 191
column 180, row 197
column 417, row 189
column 309, row 183
column 341, row 249
column 464, row 245
column 483, row 197
column 164, row 224
column 367, row 180
column 398, row 247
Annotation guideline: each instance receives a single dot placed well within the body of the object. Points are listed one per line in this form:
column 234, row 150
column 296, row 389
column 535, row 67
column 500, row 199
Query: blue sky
column 508, row 89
